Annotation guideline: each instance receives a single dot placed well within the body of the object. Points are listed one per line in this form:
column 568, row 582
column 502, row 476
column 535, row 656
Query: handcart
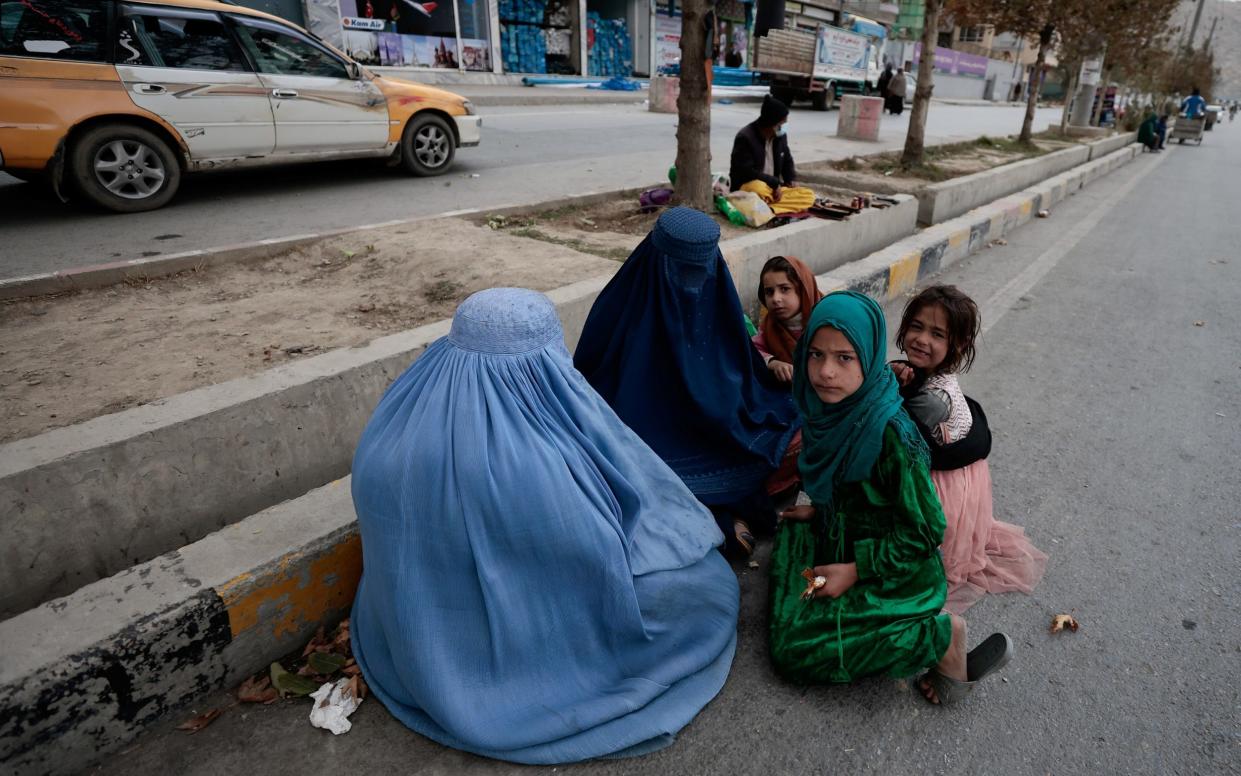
column 1186, row 128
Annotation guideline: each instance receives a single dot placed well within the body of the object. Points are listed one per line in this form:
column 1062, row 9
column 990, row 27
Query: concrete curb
column 939, row 202
column 87, row 673
column 900, row 267
column 112, row 273
column 165, row 474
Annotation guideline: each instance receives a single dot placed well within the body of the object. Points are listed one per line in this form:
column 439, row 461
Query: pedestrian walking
column 895, row 100
column 885, row 78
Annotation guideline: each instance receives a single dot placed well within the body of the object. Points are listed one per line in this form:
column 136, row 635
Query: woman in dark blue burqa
column 665, row 344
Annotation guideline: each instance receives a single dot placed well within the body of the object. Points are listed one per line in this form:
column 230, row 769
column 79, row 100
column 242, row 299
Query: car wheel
column 428, row 145
column 124, row 169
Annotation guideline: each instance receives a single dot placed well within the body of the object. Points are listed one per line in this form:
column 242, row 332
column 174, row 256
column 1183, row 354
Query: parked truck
column 817, row 66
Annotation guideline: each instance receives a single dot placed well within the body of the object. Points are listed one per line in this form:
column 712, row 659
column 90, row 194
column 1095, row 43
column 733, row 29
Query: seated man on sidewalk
column 761, row 162
column 1148, row 133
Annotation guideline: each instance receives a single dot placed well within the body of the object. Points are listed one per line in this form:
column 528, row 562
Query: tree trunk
column 693, row 184
column 1097, row 115
column 915, row 138
column 1036, row 86
column 1076, row 68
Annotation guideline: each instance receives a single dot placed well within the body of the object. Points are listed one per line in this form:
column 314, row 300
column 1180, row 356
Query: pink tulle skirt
column 981, row 554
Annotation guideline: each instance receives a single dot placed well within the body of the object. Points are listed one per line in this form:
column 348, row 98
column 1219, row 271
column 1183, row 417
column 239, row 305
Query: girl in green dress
column 869, row 544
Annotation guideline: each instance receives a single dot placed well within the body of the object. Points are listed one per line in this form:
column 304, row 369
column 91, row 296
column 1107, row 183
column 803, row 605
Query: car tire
column 123, row 168
column 428, row 146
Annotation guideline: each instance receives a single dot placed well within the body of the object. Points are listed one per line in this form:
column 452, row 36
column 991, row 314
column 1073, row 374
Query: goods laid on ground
column 524, row 48
column 610, row 49
column 721, row 76
column 535, row 36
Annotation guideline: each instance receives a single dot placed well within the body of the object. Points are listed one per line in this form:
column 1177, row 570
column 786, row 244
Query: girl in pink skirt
column 981, row 554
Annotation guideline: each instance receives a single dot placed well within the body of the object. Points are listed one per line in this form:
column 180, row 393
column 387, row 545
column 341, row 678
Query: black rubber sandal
column 987, row 657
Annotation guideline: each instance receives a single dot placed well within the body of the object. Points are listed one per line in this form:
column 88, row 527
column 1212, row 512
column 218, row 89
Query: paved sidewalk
column 493, row 95
column 497, row 95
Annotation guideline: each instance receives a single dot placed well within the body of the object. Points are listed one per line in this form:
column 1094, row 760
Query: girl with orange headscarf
column 788, row 292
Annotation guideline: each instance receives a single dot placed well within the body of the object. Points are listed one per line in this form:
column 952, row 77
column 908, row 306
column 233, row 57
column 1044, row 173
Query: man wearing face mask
column 762, row 164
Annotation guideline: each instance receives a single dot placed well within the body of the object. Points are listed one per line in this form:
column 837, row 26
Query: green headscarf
column 842, row 441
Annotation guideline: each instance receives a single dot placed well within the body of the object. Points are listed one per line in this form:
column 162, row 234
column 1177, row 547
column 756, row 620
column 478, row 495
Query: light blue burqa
column 538, row 585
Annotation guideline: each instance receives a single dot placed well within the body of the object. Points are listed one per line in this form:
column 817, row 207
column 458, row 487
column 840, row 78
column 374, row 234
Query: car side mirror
column 354, row 70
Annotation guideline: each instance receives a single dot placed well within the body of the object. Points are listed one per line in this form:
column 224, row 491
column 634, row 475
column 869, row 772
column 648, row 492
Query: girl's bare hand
column 783, row 370
column 904, row 372
column 840, row 577
column 799, row 514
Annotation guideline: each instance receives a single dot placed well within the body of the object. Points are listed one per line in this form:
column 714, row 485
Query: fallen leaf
column 1200, row 323
column 290, row 684
column 341, row 641
column 201, row 721
column 1063, row 621
column 257, row 689
column 316, row 640
column 326, row 663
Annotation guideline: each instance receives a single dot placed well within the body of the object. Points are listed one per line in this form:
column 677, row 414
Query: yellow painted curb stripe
column 299, row 591
column 903, row 274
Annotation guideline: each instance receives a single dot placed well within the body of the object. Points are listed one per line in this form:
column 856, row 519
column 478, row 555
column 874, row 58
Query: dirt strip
column 69, row 358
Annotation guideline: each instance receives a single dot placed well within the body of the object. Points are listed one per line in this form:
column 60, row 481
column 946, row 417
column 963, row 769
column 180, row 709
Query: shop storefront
column 735, row 19
column 447, row 34
column 556, row 37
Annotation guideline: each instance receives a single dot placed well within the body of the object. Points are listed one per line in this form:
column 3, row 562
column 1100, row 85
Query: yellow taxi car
column 114, row 100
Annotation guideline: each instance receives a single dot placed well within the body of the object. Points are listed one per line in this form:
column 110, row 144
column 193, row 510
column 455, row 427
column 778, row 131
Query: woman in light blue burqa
column 538, row 585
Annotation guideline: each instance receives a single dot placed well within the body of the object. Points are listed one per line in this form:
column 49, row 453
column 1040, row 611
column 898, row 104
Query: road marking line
column 1004, row 299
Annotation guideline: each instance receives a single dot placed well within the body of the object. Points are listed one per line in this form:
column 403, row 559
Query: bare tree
column 693, row 183
column 1029, row 19
column 915, row 137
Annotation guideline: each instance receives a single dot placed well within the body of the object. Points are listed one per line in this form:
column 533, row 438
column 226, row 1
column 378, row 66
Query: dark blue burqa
column 665, row 344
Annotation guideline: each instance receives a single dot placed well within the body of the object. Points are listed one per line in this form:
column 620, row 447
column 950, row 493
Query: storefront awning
column 869, row 27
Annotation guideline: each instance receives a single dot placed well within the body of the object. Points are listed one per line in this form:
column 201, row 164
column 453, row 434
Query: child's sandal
column 741, row 530
column 990, row 655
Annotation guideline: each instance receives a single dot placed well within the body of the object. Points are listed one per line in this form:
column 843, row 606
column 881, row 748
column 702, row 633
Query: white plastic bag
column 750, row 205
column 333, row 705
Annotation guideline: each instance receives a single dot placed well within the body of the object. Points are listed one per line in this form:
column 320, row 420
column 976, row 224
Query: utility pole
column 1193, row 28
column 1210, row 35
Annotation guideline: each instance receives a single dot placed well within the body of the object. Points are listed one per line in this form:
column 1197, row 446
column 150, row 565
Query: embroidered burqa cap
column 537, row 585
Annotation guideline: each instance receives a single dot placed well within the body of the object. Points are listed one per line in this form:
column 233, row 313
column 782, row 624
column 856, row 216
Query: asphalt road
column 1110, row 372
column 528, row 155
